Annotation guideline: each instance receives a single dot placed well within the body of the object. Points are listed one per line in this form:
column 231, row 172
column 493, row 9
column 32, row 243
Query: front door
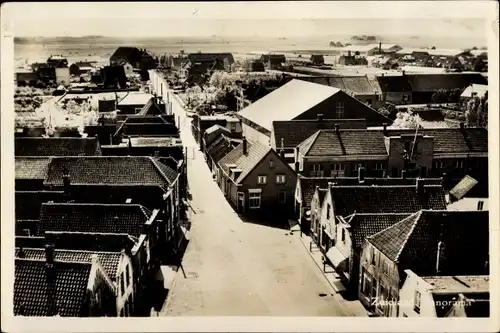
column 241, row 203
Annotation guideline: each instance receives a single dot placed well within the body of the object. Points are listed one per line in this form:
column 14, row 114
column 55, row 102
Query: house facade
column 256, row 180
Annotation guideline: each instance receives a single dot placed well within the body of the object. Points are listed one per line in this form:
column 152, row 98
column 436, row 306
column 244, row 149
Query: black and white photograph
column 181, row 161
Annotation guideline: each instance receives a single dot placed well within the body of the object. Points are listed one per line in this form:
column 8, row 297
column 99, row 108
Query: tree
column 476, row 113
column 406, row 120
column 440, row 96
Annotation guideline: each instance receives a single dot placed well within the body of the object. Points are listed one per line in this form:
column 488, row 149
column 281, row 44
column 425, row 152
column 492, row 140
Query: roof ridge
column 409, row 233
column 55, row 261
column 91, row 204
column 67, row 250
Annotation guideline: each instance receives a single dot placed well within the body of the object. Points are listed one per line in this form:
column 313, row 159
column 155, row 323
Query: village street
column 238, row 268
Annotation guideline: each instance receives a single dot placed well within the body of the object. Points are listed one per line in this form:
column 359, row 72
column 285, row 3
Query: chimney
column 245, row 145
column 380, row 47
column 480, row 205
column 419, row 185
column 157, row 154
column 282, row 144
column 51, row 280
column 403, row 72
column 66, row 181
column 320, row 117
column 361, row 175
column 282, row 154
column 337, row 128
column 385, row 129
column 296, row 167
column 21, row 253
column 438, row 256
column 462, row 125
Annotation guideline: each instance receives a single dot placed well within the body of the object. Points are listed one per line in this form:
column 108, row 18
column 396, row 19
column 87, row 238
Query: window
column 438, row 164
column 261, row 179
column 280, row 179
column 328, row 211
column 282, row 197
column 336, row 169
column 127, row 271
column 316, row 170
column 271, row 164
column 379, row 166
column 366, row 282
column 343, row 235
column 254, row 200
column 122, row 284
column 340, row 110
column 373, row 257
column 416, row 302
column 356, row 166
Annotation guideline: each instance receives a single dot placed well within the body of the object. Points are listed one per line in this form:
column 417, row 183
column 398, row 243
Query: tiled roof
column 28, row 203
column 345, row 181
column 221, row 147
column 152, row 108
column 364, row 225
column 394, row 83
column 30, row 241
column 293, row 132
column 287, row 102
column 256, row 151
column 56, row 147
column 308, row 187
column 107, row 170
column 31, row 290
column 102, row 242
column 31, row 167
column 149, row 129
column 452, row 140
column 414, row 242
column 167, row 167
column 210, row 57
column 100, row 218
column 108, row 260
column 214, row 132
column 344, row 142
column 386, row 199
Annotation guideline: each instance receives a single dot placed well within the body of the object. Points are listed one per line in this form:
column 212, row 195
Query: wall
column 350, row 167
column 327, row 223
column 253, row 135
column 397, row 97
column 315, row 216
column 407, row 295
column 423, row 153
column 62, row 75
column 345, row 247
column 388, row 277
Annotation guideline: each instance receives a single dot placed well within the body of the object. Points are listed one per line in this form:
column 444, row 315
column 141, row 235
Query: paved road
column 238, row 268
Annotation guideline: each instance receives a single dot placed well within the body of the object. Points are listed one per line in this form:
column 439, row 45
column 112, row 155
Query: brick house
column 430, row 243
column 50, row 287
column 288, row 134
column 301, row 100
column 445, row 296
column 373, row 196
column 256, row 180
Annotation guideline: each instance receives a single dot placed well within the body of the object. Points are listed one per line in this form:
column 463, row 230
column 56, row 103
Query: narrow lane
column 238, row 268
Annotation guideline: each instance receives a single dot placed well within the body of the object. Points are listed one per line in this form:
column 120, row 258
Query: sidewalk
column 357, row 309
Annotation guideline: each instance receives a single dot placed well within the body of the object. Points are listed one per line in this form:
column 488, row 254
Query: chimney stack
column 51, row 280
column 385, row 128
column 480, row 205
column 66, row 181
column 320, row 117
column 361, row 175
column 245, row 144
column 419, row 186
column 282, row 154
column 462, row 125
column 380, row 47
column 297, row 167
column 21, row 253
column 337, row 128
column 403, row 174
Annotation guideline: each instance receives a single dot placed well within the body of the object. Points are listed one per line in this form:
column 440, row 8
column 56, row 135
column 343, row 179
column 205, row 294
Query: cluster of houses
column 99, row 218
column 389, row 208
column 54, row 71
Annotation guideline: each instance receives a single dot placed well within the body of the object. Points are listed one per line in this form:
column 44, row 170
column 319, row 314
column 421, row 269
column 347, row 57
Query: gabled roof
column 293, row 132
column 308, row 187
column 385, row 199
column 256, row 152
column 131, row 54
column 287, row 102
column 56, row 147
column 31, row 167
column 359, row 84
column 31, row 290
column 108, row 260
column 73, row 240
column 452, row 140
column 344, row 142
column 413, row 242
column 363, row 225
column 100, row 218
column 131, row 170
column 394, row 83
column 221, row 147
column 210, row 57
column 135, row 98
column 478, row 89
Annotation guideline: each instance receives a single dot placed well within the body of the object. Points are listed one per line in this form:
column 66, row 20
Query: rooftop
column 56, row 146
column 135, row 98
column 31, row 167
column 458, row 284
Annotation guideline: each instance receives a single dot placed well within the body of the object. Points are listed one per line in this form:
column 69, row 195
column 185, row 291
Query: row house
column 47, row 286
column 217, row 148
column 344, row 200
column 429, row 243
column 256, row 180
column 455, row 152
column 301, row 100
column 200, row 124
column 445, row 296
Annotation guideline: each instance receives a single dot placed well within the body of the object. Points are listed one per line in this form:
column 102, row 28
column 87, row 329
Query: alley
column 239, row 268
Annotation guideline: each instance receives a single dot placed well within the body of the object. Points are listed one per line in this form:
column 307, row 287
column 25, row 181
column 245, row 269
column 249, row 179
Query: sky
column 247, row 19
